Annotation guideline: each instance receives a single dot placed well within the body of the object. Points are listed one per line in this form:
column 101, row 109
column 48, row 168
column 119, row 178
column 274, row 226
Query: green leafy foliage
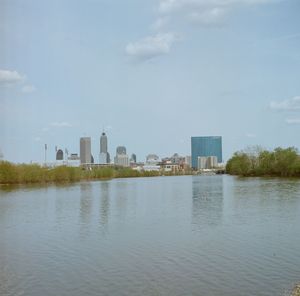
column 280, row 162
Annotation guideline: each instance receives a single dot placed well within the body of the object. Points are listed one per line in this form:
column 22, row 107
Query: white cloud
column 250, row 135
column 202, row 12
column 8, row 77
column 206, row 12
column 61, row 124
column 212, row 16
column 160, row 23
column 151, row 46
column 292, row 104
column 26, row 89
column 292, row 120
column 170, row 6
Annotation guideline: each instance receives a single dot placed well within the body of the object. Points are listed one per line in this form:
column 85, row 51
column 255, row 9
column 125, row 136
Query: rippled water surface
column 192, row 235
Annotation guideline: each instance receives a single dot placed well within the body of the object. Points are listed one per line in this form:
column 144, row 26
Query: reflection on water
column 269, row 196
column 189, row 235
column 207, row 200
column 121, row 195
column 86, row 202
column 104, row 202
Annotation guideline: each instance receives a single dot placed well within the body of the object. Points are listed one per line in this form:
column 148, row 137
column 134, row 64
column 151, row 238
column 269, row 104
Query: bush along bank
column 259, row 162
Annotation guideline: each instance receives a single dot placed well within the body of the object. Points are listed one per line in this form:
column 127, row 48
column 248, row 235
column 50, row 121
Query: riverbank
column 296, row 290
column 34, row 174
column 263, row 163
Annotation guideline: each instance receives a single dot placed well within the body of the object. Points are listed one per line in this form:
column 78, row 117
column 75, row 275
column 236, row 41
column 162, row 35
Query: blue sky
column 152, row 73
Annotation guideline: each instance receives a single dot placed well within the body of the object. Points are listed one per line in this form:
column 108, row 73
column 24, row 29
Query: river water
column 189, row 235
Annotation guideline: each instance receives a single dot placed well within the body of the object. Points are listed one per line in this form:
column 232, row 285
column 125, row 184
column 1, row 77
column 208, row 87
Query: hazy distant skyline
column 151, row 73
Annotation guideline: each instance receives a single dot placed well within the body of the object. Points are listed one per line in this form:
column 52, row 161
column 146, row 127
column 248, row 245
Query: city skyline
column 152, row 74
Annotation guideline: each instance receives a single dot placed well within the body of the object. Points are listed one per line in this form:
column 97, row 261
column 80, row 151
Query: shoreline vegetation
column 257, row 162
column 251, row 162
column 14, row 174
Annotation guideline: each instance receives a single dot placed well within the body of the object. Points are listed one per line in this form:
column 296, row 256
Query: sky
column 150, row 73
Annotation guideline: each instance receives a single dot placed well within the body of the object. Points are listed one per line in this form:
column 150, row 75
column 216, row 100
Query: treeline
column 32, row 173
column 258, row 162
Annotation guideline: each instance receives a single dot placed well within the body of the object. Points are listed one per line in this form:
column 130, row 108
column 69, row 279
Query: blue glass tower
column 206, row 146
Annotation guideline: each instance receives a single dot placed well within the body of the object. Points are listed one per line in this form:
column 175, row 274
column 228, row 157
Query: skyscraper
column 103, row 143
column 103, row 157
column 85, row 150
column 206, row 146
column 121, row 150
column 133, row 158
column 121, row 157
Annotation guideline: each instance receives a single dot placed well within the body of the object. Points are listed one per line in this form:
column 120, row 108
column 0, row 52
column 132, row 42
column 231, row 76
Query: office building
column 209, row 162
column 59, row 155
column 103, row 143
column 122, row 160
column 206, row 146
column 121, row 150
column 202, row 162
column 133, row 158
column 188, row 160
column 85, row 150
column 73, row 160
column 152, row 159
column 121, row 157
column 103, row 156
column 212, row 162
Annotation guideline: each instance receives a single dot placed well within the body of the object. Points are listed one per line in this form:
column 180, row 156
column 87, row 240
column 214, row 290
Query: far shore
column 28, row 174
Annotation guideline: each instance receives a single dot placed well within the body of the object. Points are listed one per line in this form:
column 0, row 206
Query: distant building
column 103, row 156
column 103, row 143
column 212, row 162
column 59, row 155
column 73, row 160
column 202, row 162
column 152, row 159
column 74, row 156
column 151, row 167
column 152, row 163
column 122, row 160
column 209, row 162
column 121, row 150
column 168, row 166
column 188, row 160
column 133, row 158
column 85, row 150
column 121, row 157
column 205, row 147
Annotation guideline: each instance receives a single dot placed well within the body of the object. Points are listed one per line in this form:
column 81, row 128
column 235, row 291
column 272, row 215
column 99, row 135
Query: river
column 187, row 235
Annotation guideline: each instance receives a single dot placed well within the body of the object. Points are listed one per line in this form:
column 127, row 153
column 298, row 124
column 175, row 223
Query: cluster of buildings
column 206, row 154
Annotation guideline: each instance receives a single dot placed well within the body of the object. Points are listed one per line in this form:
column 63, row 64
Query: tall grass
column 31, row 173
